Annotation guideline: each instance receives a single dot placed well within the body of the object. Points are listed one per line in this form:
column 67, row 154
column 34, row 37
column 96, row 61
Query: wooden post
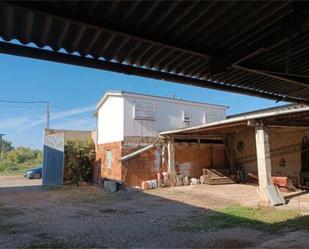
column 263, row 161
column 171, row 161
column 229, row 150
column 211, row 158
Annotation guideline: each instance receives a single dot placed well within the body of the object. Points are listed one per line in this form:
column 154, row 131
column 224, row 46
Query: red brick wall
column 142, row 167
column 278, row 138
column 146, row 165
column 115, row 172
column 198, row 156
column 194, row 157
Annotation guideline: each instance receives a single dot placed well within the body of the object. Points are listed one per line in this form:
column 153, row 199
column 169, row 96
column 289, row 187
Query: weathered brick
column 146, row 165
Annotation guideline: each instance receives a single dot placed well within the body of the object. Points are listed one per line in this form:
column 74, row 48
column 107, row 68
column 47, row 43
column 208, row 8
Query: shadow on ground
column 88, row 217
column 291, row 196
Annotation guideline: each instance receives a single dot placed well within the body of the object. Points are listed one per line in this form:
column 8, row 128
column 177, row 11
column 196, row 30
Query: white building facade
column 124, row 114
column 127, row 122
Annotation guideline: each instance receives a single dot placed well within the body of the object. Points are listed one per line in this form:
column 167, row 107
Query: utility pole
column 1, row 142
column 47, row 114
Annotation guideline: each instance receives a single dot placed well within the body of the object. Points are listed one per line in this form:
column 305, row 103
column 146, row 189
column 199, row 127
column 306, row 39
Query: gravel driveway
column 88, row 217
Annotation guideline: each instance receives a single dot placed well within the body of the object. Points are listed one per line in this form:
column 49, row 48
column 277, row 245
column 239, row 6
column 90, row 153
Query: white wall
column 110, row 120
column 168, row 115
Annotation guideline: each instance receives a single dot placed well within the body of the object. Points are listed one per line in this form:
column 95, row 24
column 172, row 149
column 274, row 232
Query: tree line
column 16, row 160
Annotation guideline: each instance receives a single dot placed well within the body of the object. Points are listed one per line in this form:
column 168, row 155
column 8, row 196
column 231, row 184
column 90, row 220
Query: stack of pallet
column 217, row 176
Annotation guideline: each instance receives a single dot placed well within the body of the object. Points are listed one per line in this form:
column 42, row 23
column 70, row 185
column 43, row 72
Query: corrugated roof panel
column 200, row 39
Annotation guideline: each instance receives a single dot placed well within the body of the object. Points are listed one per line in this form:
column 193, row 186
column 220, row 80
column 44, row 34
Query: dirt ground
column 88, row 217
column 18, row 181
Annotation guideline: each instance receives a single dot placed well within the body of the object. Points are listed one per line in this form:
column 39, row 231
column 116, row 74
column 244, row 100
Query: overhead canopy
column 256, row 47
column 288, row 116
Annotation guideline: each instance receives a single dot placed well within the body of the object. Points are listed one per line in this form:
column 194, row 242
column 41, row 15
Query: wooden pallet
column 216, row 177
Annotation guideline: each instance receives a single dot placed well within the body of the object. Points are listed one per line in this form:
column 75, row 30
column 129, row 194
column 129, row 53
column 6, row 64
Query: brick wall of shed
column 249, row 149
column 188, row 156
column 191, row 158
column 278, row 139
column 142, row 167
column 281, row 138
column 115, row 172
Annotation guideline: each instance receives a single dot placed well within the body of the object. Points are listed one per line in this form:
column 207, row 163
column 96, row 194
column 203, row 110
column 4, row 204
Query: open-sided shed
column 263, row 144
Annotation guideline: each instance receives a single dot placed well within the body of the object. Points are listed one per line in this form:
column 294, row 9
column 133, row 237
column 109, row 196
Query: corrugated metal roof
column 267, row 110
column 252, row 47
column 242, row 118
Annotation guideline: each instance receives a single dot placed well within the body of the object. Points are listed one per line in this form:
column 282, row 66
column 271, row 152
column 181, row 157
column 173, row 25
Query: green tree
column 5, row 148
column 18, row 160
column 20, row 155
column 79, row 160
column 38, row 155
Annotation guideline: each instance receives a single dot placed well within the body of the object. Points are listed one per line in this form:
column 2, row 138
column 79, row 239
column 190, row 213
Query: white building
column 123, row 114
column 128, row 121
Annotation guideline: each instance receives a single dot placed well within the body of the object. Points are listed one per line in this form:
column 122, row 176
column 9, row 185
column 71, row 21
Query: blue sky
column 74, row 91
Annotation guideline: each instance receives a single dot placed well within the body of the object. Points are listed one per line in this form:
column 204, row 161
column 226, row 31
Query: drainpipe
column 138, row 152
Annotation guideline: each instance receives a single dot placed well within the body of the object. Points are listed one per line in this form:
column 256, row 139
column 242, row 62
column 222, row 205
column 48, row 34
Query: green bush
column 20, row 155
column 79, row 160
column 38, row 155
column 6, row 166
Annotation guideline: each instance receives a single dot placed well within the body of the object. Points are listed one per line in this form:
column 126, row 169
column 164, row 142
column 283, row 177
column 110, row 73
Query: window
column 186, row 119
column 144, row 111
column 211, row 117
column 108, row 159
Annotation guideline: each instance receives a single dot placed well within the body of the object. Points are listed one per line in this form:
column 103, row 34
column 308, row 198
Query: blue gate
column 53, row 160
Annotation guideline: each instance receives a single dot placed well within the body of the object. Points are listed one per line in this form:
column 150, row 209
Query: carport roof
column 242, row 120
column 251, row 47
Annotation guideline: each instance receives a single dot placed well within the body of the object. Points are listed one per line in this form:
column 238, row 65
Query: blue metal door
column 53, row 160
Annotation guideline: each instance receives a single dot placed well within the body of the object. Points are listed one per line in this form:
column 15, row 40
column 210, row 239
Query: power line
column 21, row 107
column 24, row 102
column 47, row 103
column 31, row 102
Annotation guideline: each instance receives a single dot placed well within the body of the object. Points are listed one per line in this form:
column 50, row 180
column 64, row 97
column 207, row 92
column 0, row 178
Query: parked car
column 35, row 173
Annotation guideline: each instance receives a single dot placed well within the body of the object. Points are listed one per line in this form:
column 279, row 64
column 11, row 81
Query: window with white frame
column 108, row 159
column 211, row 117
column 186, row 118
column 144, row 111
